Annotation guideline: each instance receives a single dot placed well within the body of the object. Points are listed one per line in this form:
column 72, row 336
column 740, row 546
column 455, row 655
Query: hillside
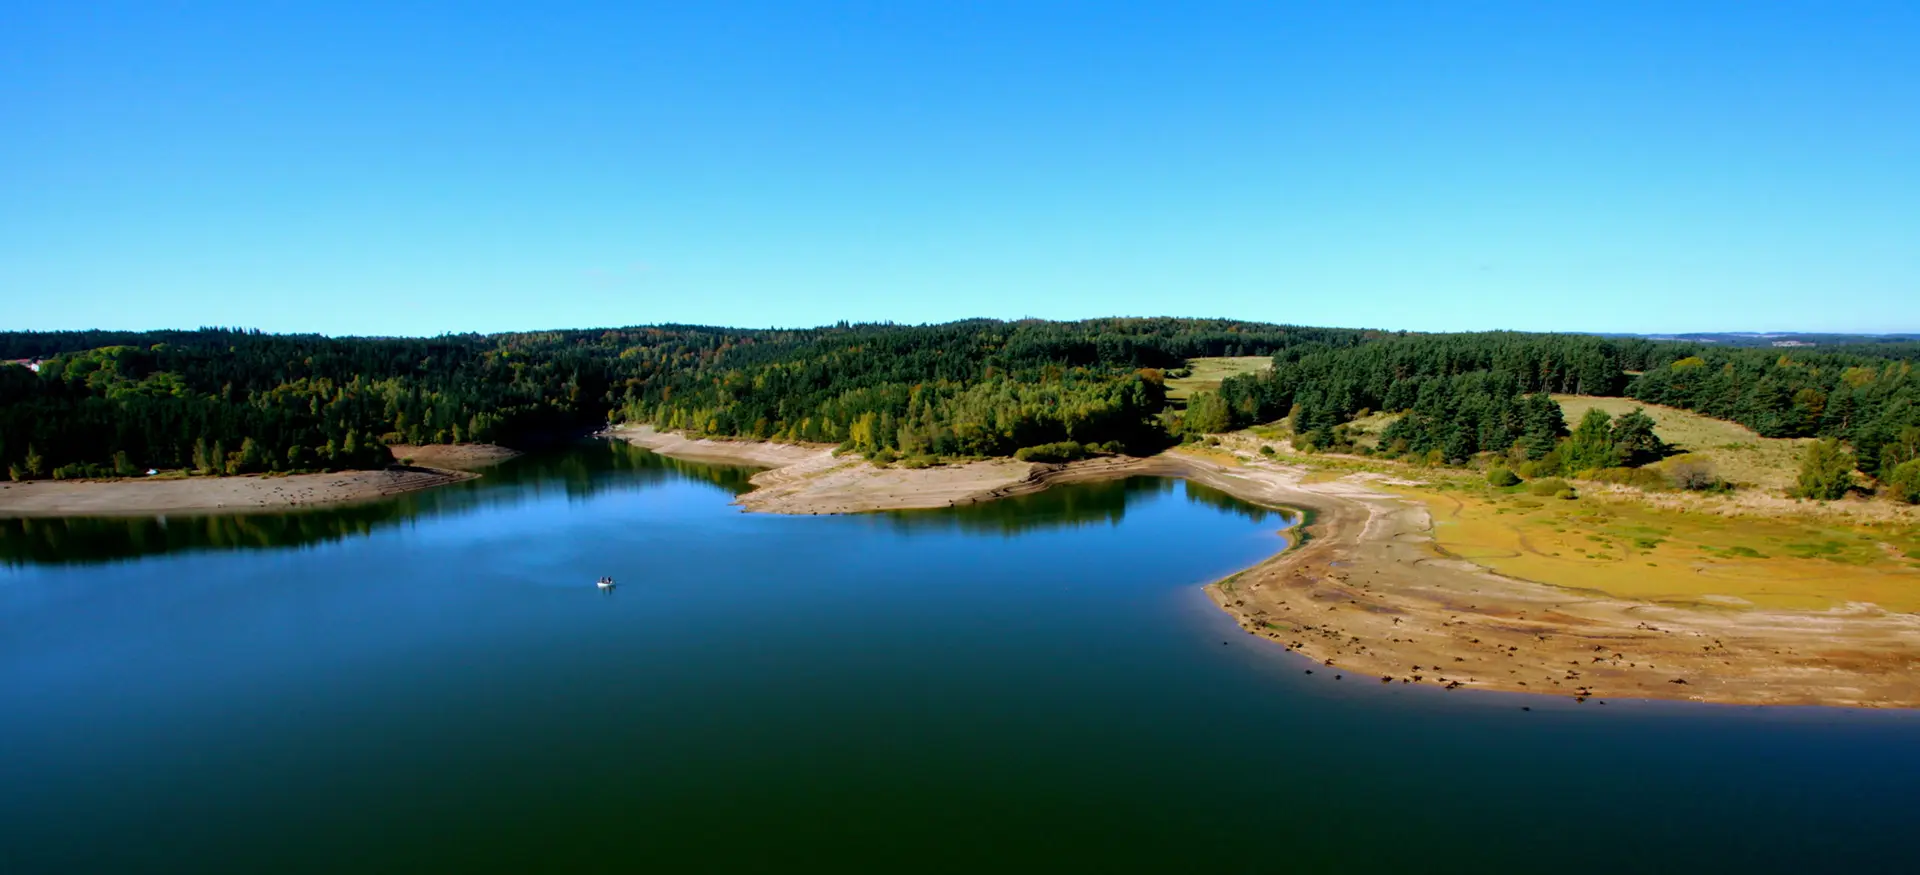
column 1737, row 453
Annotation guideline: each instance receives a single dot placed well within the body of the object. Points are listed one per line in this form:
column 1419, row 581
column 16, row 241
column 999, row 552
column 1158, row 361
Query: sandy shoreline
column 459, row 457
column 213, row 495
column 1372, row 599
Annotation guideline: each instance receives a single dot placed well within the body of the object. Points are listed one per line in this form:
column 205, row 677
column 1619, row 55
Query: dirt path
column 1370, row 596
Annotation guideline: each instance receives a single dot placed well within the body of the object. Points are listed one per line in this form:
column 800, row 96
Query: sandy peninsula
column 429, row 466
column 1369, row 597
column 458, row 457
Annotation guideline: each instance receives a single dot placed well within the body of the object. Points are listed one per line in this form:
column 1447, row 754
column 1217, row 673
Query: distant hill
column 1786, row 339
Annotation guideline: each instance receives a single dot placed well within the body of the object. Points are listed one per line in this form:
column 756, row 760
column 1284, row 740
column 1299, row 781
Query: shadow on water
column 578, row 472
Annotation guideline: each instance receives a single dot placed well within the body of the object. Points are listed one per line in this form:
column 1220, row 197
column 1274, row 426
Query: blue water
column 434, row 684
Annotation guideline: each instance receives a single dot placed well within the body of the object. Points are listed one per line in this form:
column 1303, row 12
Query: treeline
column 980, row 387
column 1462, row 393
column 231, row 401
column 228, row 401
column 1865, row 396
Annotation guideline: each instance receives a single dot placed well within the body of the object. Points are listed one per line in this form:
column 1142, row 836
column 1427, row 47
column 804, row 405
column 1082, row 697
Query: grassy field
column 1366, row 429
column 1737, row 453
column 1208, row 372
column 1631, row 550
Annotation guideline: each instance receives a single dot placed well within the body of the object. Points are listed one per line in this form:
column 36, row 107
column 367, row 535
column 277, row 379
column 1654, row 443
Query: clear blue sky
column 406, row 168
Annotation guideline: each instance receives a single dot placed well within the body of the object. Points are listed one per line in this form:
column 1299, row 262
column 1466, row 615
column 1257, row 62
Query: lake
column 434, row 684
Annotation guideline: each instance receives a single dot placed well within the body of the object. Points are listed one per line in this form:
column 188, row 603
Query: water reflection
column 578, row 473
column 1081, row 504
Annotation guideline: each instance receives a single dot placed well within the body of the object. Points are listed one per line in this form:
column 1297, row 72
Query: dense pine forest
column 223, row 401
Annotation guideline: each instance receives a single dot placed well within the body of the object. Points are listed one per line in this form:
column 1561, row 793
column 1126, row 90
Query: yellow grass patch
column 1208, row 372
column 1366, row 429
column 1633, row 551
column 1738, row 454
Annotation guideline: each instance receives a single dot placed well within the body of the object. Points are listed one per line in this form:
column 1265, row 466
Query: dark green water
column 434, row 685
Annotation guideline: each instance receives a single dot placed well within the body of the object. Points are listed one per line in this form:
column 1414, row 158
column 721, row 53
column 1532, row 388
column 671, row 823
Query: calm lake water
column 434, row 685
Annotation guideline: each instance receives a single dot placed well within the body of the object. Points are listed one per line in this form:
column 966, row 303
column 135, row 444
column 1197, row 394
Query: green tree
column 1634, row 441
column 1208, row 413
column 1591, row 446
column 253, row 459
column 1826, row 471
column 1903, row 482
column 1904, row 448
column 1544, row 424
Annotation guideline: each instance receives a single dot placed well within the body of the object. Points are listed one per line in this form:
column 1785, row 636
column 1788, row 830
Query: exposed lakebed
column 434, row 684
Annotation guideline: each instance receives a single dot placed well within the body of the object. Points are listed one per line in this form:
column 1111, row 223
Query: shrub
column 1904, row 483
column 1266, row 450
column 883, row 457
column 1063, row 451
column 1502, row 476
column 1566, row 494
column 1642, row 478
column 1548, row 487
column 1693, row 474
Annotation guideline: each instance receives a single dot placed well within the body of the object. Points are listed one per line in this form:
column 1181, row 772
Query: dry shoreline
column 213, row 495
column 1372, row 599
column 432, row 465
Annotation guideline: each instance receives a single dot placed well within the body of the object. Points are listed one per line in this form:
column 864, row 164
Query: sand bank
column 812, row 480
column 142, row 497
column 459, row 457
column 1370, row 597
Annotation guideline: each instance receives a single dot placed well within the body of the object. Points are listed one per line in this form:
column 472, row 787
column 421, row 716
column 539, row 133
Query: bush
column 1904, row 483
column 919, row 461
column 1566, row 494
column 1502, row 476
column 1551, row 486
column 883, row 457
column 1693, row 475
column 1266, row 450
column 1063, row 451
column 1549, row 465
column 1642, row 478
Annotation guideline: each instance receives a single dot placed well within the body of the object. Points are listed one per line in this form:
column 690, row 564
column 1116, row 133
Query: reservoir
column 434, row 683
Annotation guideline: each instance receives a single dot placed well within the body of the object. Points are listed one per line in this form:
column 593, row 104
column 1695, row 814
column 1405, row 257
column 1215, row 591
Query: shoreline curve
column 1365, row 591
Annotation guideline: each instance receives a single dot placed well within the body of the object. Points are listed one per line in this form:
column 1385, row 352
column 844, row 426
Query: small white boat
column 605, row 583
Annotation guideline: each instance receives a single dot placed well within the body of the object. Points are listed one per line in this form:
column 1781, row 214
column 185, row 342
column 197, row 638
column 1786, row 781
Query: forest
column 228, row 401
column 1466, row 394
column 232, row 401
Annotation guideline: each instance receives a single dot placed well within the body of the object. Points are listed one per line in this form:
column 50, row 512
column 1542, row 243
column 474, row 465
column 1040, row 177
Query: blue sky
column 407, row 168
